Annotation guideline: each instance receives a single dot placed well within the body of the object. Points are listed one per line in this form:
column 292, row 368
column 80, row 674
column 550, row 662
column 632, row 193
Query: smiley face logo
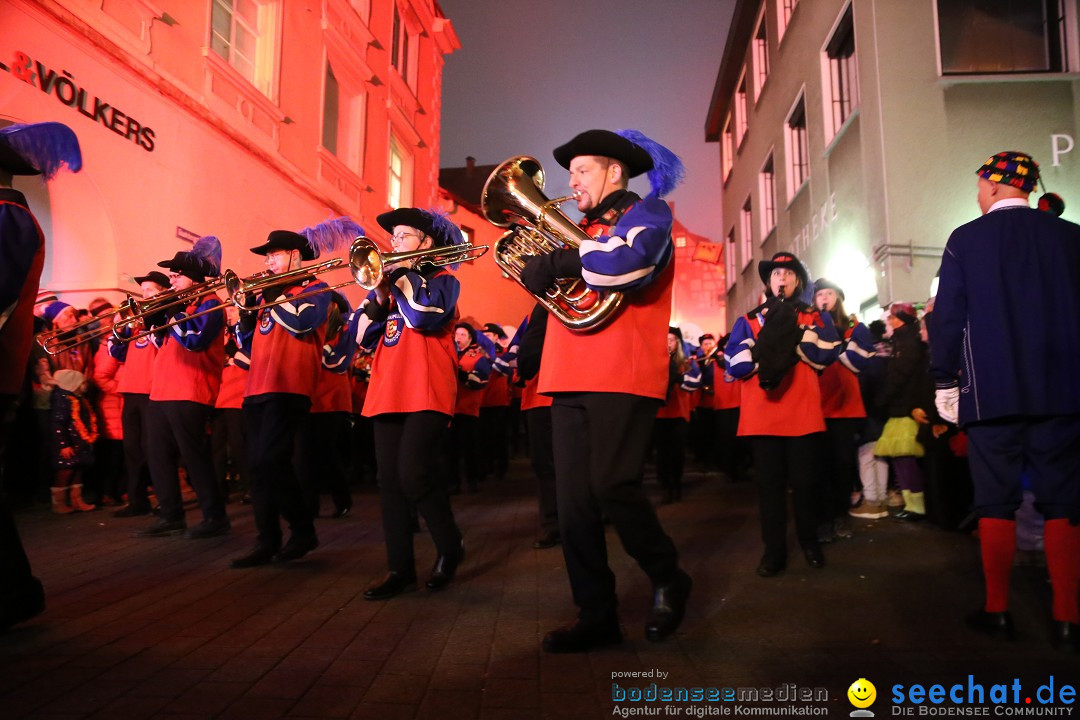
column 862, row 693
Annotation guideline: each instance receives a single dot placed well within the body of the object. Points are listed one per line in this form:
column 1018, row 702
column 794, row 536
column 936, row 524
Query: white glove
column 947, row 400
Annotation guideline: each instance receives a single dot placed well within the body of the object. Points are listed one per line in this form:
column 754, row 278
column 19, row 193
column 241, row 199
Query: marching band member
column 785, row 343
column 703, row 425
column 475, row 364
column 726, row 400
column 608, row 384
column 526, row 352
column 495, row 408
column 228, row 436
column 684, row 377
column 34, row 149
column 136, row 376
column 844, row 411
column 324, row 435
column 187, row 374
column 410, row 318
column 285, row 344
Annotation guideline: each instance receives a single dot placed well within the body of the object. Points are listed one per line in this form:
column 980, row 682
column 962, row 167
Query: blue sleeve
column 820, row 344
column 480, row 374
column 738, row 352
column 638, row 249
column 337, row 355
column 243, row 340
column 506, row 363
column 118, row 350
column 300, row 317
column 949, row 321
column 858, row 350
column 196, row 334
column 425, row 303
column 691, row 379
column 19, row 241
column 364, row 331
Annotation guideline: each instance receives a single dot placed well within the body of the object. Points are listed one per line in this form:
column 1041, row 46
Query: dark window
column 1002, row 36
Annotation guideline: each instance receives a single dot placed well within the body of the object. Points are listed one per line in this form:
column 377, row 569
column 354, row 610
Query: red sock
column 1062, row 542
column 998, row 540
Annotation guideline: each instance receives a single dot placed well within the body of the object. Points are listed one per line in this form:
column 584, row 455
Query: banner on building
column 708, row 252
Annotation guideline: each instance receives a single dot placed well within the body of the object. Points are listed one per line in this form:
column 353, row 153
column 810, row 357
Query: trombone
column 130, row 311
column 366, row 263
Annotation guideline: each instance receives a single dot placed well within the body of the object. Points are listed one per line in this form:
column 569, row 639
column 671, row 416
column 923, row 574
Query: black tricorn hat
column 285, row 240
column 186, row 264
column 783, row 260
column 605, row 144
column 155, row 277
column 442, row 231
column 496, row 329
column 824, row 284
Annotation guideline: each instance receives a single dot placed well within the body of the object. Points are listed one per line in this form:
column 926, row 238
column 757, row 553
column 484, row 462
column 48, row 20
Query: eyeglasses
column 271, row 255
column 401, row 236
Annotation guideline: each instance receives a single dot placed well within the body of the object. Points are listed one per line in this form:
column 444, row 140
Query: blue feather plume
column 443, row 228
column 332, row 235
column 668, row 170
column 207, row 250
column 47, row 146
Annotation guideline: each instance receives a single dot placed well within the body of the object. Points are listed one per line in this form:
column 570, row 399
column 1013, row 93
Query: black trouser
column 780, row 462
column 177, row 429
column 495, row 435
column 601, row 440
column 542, row 454
column 463, row 445
column 320, row 459
column 15, row 573
column 407, row 451
column 363, row 449
column 137, row 471
column 703, row 434
column 730, row 448
column 228, row 443
column 273, row 421
column 670, row 439
column 840, row 467
column 107, row 475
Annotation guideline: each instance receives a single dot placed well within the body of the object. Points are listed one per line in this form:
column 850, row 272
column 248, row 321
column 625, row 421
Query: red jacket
column 111, row 404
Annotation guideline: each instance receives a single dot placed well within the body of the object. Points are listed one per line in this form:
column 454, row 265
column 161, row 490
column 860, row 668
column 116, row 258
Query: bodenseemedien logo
column 862, row 694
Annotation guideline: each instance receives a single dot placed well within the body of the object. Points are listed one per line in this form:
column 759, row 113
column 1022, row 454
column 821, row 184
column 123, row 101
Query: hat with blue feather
column 39, row 149
column 639, row 153
column 330, row 236
column 202, row 261
column 433, row 222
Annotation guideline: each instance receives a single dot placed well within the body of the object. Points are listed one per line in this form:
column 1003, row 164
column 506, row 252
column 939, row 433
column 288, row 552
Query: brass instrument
column 59, row 340
column 513, row 197
column 367, row 263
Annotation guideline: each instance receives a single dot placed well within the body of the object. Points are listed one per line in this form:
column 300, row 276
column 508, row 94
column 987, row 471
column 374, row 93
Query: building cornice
column 738, row 41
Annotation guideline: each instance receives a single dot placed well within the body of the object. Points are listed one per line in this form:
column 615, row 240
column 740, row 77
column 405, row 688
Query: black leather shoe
column 583, row 636
column 769, row 568
column 546, row 540
column 341, row 512
column 908, row 516
column 669, row 606
column 296, row 548
column 261, row 555
column 1066, row 636
column 162, row 527
column 445, row 568
column 209, row 529
column 391, row 585
column 131, row 511
column 994, row 624
column 814, row 558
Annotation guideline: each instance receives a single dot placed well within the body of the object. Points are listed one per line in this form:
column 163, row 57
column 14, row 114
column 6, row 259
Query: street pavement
column 162, row 628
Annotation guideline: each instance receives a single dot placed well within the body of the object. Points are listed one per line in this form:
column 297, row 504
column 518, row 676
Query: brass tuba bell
column 513, row 197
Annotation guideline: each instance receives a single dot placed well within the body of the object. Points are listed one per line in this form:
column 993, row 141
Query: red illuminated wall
column 208, row 152
column 699, row 294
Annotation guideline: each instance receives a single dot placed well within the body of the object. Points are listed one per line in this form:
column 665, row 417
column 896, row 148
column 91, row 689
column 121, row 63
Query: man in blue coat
column 1004, row 342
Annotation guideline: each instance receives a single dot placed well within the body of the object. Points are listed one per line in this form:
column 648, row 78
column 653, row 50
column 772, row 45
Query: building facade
column 850, row 131
column 221, row 117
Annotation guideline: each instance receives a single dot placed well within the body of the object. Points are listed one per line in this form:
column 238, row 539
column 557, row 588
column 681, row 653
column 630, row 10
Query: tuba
column 513, row 197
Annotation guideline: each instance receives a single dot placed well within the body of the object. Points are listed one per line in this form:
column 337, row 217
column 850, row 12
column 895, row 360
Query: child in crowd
column 75, row 430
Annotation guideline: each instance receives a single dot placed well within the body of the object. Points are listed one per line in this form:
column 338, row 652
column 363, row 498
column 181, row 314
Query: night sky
column 531, row 75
